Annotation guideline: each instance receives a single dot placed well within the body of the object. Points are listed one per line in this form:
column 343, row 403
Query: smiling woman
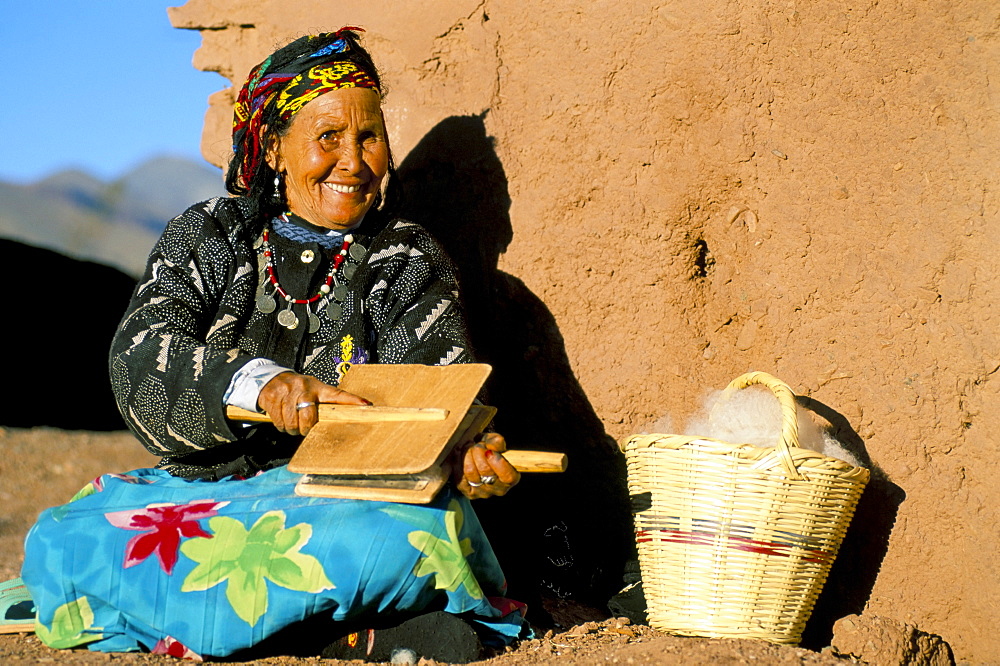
column 263, row 301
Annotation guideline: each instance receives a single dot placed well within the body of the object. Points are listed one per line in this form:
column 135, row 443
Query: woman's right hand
column 284, row 396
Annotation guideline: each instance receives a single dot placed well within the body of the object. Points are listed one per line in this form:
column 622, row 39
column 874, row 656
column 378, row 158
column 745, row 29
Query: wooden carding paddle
column 396, row 449
column 353, row 414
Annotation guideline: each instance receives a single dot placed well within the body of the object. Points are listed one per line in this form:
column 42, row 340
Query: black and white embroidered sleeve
column 176, row 351
column 414, row 303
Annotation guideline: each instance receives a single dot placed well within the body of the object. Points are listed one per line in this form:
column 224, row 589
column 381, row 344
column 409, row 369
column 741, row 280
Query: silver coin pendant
column 288, row 319
column 265, row 303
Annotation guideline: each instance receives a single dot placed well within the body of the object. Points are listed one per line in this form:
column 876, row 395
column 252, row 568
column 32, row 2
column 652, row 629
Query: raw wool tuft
column 663, row 424
column 753, row 416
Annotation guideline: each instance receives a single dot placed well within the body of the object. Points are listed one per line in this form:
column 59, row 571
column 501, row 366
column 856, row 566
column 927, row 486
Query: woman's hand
column 291, row 400
column 483, row 471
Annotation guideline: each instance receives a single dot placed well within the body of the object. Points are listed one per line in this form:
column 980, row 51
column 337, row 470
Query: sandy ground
column 41, row 467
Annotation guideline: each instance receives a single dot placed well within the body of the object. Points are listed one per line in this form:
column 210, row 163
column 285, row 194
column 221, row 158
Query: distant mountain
column 114, row 223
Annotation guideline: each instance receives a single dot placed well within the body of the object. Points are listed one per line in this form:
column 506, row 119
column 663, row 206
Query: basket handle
column 789, row 421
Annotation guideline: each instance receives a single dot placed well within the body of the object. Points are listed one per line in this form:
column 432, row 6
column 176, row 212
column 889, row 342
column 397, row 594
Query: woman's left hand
column 483, row 471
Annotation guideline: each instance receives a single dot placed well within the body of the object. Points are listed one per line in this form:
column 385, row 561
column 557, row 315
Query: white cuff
column 245, row 386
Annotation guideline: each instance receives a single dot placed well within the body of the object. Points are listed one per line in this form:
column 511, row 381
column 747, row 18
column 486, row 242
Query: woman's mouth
column 344, row 189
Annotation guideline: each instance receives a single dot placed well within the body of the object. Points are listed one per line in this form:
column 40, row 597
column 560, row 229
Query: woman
column 262, row 301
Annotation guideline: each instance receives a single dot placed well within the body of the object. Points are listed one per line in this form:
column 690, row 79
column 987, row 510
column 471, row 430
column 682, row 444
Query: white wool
column 753, row 416
column 662, row 424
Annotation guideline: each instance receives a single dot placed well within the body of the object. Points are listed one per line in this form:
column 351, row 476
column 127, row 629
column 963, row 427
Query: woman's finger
column 494, row 441
column 333, row 395
column 501, row 468
column 290, row 415
column 307, row 412
column 470, row 470
column 471, row 484
column 482, row 470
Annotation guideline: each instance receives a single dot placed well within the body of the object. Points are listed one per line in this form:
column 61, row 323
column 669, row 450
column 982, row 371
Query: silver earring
column 277, row 187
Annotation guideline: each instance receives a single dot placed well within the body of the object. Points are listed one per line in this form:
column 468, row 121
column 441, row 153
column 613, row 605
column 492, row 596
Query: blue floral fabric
column 146, row 560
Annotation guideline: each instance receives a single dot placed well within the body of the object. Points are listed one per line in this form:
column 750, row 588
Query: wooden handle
column 522, row 460
column 353, row 414
column 536, row 461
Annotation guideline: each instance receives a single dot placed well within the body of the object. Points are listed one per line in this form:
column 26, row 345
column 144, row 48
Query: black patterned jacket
column 192, row 324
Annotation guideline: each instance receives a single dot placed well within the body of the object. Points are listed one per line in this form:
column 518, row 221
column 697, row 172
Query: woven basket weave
column 737, row 540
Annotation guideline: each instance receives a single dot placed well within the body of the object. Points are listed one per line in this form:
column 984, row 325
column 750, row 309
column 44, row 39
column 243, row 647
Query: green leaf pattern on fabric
column 445, row 558
column 72, row 625
column 404, row 513
column 247, row 559
column 86, row 491
column 59, row 512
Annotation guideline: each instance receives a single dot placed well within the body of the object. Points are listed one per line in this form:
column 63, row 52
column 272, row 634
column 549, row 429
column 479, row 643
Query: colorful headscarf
column 290, row 86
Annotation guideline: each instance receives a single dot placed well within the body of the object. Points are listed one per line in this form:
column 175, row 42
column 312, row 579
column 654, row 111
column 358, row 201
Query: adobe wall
column 678, row 192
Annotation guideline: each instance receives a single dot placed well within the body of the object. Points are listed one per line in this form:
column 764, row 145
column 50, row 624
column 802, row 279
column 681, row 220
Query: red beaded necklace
column 286, row 317
column 324, row 288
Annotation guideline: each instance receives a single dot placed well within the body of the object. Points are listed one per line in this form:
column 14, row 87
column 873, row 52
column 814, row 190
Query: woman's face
column 333, row 157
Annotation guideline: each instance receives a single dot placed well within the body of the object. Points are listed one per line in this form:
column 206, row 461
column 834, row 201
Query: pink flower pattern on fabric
column 162, row 527
column 169, row 645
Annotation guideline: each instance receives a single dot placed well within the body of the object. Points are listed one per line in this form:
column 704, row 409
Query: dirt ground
column 41, row 467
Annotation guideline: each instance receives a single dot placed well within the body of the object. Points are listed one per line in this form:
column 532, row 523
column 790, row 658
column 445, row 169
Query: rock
column 630, row 603
column 581, row 629
column 403, row 656
column 886, row 642
column 624, row 631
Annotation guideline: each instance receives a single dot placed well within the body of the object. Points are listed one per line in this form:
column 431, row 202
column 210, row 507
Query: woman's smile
column 346, row 189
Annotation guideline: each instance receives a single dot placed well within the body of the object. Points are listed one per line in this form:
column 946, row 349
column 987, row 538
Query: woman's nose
column 350, row 158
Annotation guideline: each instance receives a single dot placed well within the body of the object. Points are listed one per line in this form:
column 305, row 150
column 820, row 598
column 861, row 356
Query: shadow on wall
column 569, row 535
column 56, row 347
column 852, row 576
column 557, row 536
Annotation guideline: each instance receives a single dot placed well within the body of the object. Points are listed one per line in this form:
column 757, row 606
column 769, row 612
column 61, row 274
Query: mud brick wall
column 647, row 198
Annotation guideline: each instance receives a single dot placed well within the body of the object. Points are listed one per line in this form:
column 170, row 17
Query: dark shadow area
column 56, row 336
column 558, row 536
column 852, row 576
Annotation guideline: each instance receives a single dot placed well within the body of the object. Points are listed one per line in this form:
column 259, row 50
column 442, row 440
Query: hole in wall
column 703, row 260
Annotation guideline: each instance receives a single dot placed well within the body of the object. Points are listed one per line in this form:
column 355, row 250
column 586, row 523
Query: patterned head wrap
column 279, row 88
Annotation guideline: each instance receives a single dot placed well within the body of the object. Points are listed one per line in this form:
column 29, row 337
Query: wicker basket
column 736, row 540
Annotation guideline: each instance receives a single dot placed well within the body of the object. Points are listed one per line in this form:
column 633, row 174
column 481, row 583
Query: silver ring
column 303, row 405
column 473, row 484
column 488, row 479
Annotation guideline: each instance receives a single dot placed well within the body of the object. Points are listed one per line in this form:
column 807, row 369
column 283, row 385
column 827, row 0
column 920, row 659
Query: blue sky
column 98, row 85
